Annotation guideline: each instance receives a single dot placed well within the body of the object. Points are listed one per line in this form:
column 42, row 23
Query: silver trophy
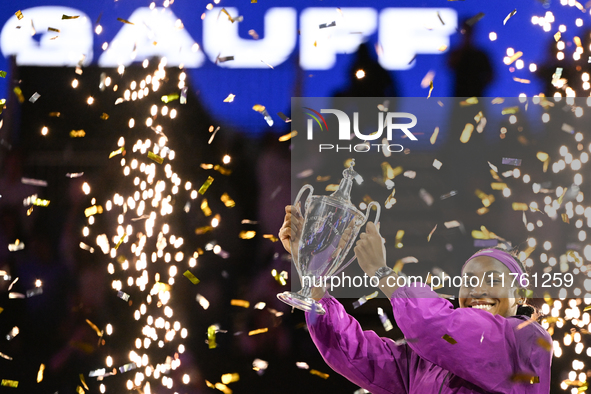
column 330, row 227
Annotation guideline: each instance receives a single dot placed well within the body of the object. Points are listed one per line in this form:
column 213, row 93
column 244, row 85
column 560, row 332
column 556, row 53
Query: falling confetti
column 384, row 319
column 318, row 373
column 509, row 16
column 364, row 299
column 325, row 25
column 287, row 137
column 125, row 21
column 434, row 136
column 258, row 331
column 431, row 233
column 205, row 185
column 449, row 339
column 189, row 275
column 155, row 157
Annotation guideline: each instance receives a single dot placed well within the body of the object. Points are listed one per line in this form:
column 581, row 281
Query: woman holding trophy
column 488, row 345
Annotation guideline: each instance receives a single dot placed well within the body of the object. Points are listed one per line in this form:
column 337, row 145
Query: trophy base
column 304, row 303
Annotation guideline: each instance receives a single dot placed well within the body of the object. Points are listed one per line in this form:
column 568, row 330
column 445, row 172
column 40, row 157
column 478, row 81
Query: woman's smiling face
column 493, row 295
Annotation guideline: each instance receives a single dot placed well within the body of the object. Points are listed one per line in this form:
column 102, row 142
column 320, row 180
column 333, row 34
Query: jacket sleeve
column 488, row 350
column 373, row 363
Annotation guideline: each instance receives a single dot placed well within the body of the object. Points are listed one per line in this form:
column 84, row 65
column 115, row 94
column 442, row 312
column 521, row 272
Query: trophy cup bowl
column 330, row 226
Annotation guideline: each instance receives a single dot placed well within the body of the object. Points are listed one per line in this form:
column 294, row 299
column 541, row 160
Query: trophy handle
column 302, row 190
column 379, row 210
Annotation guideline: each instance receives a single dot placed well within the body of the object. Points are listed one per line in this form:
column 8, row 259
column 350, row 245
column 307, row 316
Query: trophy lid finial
column 344, row 190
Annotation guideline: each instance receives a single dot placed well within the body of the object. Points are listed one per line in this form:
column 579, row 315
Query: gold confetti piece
column 155, row 157
column 19, row 94
column 230, row 98
column 242, row 303
column 430, row 87
column 544, row 344
column 542, row 156
column 2, row 75
column 434, row 136
column 509, row 16
column 247, row 234
column 170, row 97
column 120, row 241
column 565, row 218
column 520, row 206
column 431, row 233
column 258, row 331
column 510, row 110
column 521, row 80
column 525, row 378
column 442, row 48
column 467, row 133
column 559, row 201
column 515, row 56
column 125, row 21
column 577, row 41
column 470, row 101
column 95, row 328
column 203, row 230
column 93, row 210
column 270, row 237
column 498, row 185
column 228, row 378
column 83, row 382
column 588, row 307
column 389, row 172
column 40, row 203
column 117, row 152
column 205, row 185
column 55, row 114
column 398, row 239
column 449, row 339
column 288, row 136
column 482, row 211
column 318, row 373
column 70, row 17
column 557, row 36
column 192, row 278
column 53, row 29
column 227, row 200
column 390, row 200
column 77, row 133
column 19, row 15
column 40, row 373
column 278, row 277
column 7, row 382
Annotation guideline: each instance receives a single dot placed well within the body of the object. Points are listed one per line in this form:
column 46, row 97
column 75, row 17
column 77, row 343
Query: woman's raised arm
column 373, row 363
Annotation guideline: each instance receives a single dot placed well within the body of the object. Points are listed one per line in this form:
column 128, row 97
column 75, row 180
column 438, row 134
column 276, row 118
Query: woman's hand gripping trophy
column 290, row 233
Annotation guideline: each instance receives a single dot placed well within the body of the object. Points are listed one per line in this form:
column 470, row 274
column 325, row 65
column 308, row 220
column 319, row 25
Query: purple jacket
column 489, row 353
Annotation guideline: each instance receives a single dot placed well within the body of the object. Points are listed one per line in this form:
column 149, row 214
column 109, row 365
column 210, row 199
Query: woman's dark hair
column 525, row 309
